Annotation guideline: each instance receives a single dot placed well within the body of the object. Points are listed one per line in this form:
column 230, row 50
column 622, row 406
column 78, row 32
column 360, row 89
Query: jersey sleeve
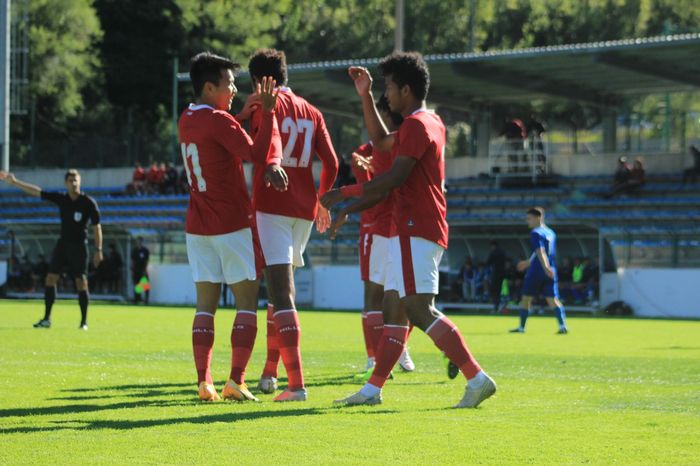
column 94, row 212
column 231, row 135
column 324, row 150
column 413, row 139
column 51, row 196
column 536, row 241
column 365, row 150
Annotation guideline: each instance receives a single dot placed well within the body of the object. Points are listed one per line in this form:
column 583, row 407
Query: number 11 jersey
column 303, row 133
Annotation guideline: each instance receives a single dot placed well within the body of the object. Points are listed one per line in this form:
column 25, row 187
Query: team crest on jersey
column 77, row 216
column 410, row 223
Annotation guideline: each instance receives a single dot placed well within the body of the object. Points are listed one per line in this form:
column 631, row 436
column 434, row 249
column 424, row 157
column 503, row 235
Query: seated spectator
column 170, row 183
column 183, row 185
column 565, row 278
column 627, row 181
column 481, row 282
column 578, row 284
column 691, row 174
column 591, row 275
column 160, row 179
column 152, row 179
column 138, row 180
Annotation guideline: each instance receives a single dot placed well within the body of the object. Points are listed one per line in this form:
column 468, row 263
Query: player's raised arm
column 31, row 189
column 378, row 133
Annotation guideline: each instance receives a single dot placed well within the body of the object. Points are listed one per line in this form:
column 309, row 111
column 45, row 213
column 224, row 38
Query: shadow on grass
column 230, row 417
column 88, row 408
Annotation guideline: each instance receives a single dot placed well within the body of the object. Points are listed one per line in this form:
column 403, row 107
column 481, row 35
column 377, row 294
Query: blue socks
column 560, row 313
column 523, row 317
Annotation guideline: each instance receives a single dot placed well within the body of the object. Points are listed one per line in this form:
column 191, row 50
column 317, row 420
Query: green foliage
column 611, row 392
column 63, row 58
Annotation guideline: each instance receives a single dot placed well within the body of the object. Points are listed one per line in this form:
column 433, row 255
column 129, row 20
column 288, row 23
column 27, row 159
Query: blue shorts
column 539, row 284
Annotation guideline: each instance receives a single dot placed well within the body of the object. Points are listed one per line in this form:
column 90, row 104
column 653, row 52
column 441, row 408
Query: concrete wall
column 455, row 167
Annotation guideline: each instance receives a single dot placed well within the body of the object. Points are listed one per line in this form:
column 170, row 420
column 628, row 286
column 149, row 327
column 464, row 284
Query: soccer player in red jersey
column 285, row 219
column 417, row 178
column 375, row 229
column 221, row 242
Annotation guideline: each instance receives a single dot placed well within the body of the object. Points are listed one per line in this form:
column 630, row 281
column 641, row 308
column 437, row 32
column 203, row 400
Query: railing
column 519, row 158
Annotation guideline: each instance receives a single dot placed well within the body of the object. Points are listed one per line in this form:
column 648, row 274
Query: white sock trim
column 285, row 311
column 247, row 312
column 430, row 327
column 396, row 326
column 202, row 313
column 373, row 312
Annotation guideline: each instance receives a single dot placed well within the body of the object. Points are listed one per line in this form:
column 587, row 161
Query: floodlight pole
column 398, row 32
column 5, row 85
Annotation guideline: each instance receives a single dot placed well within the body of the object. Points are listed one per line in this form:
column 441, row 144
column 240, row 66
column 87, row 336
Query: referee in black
column 71, row 251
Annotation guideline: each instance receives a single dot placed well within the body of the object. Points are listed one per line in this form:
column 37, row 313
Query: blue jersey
column 542, row 237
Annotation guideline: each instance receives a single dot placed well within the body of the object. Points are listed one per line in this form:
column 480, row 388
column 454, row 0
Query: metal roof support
column 610, row 131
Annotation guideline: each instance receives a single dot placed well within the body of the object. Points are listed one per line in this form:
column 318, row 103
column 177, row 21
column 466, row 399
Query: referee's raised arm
column 31, row 189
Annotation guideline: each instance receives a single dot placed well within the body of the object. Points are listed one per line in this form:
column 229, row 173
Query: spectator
column 138, row 180
column 171, row 176
column 691, row 174
column 160, row 179
column 152, row 178
column 481, row 282
column 515, row 134
column 578, row 284
column 621, row 178
column 466, row 280
column 591, row 275
column 115, row 264
column 497, row 264
column 183, row 182
column 564, row 275
column 139, row 267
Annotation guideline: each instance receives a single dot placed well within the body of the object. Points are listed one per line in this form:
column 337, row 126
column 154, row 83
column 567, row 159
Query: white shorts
column 412, row 266
column 378, row 257
column 228, row 258
column 283, row 239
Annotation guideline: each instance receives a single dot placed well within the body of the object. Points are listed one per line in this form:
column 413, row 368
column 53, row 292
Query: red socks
column 243, row 333
column 447, row 338
column 202, row 343
column 273, row 352
column 288, row 334
column 390, row 347
column 372, row 328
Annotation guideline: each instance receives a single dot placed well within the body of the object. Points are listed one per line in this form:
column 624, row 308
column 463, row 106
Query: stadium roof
column 598, row 73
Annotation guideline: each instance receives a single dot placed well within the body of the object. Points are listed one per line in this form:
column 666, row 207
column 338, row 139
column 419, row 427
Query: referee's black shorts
column 70, row 257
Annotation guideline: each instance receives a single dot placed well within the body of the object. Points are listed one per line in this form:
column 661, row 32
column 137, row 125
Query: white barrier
column 655, row 292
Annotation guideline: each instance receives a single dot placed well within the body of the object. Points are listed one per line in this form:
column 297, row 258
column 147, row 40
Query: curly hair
column 407, row 69
column 269, row 62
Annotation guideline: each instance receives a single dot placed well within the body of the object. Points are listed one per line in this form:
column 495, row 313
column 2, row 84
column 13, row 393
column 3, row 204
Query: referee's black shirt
column 74, row 214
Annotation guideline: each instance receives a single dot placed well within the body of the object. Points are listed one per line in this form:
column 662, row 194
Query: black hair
column 71, row 172
column 536, row 211
column 206, row 67
column 407, row 69
column 383, row 106
column 268, row 62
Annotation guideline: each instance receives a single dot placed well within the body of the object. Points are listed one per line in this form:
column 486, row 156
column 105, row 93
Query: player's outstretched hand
column 267, row 93
column 331, row 198
column 523, row 265
column 97, row 258
column 7, row 177
column 339, row 221
column 276, row 177
column 323, row 219
column 251, row 104
column 362, row 79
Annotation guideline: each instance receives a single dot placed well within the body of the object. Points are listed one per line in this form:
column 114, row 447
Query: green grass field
column 623, row 391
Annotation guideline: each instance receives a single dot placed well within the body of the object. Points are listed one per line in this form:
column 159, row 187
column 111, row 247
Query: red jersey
column 420, row 208
column 363, row 176
column 303, row 133
column 383, row 212
column 213, row 148
column 139, row 174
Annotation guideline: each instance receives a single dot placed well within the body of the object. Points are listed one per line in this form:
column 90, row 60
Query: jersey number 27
column 189, row 151
column 294, row 128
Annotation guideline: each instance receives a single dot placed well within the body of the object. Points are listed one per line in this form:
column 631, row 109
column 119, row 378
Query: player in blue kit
column 541, row 276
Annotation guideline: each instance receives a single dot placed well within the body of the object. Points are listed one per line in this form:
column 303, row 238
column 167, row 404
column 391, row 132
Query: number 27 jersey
column 303, row 133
